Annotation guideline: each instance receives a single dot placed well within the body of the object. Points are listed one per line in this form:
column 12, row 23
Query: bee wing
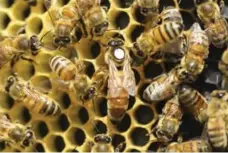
column 47, row 3
column 129, row 78
column 114, row 80
column 4, row 121
column 225, row 12
column 32, row 93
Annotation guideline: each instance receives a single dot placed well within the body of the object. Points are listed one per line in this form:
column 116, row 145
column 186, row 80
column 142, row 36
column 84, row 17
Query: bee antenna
column 44, row 35
column 95, row 126
column 47, row 6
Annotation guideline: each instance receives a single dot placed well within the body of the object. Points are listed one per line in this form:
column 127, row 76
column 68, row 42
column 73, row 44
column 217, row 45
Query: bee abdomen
column 167, row 32
column 50, row 108
column 63, row 67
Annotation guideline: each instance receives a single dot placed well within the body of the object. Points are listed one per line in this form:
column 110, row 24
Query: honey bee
column 13, row 48
column 197, row 145
column 121, row 84
column 31, row 2
column 162, row 87
column 193, row 102
column 15, row 133
column 103, row 143
column 64, row 68
column 171, row 14
column 96, row 21
column 116, row 51
column 34, row 100
column 65, row 20
column 168, row 124
column 148, row 7
column 149, row 42
column 197, row 50
column 215, row 24
column 217, row 114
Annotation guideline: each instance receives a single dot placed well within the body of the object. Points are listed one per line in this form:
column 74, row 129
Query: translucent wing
column 114, row 80
column 4, row 122
column 129, row 78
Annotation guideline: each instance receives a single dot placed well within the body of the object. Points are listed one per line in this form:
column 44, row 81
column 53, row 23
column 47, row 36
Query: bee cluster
column 114, row 75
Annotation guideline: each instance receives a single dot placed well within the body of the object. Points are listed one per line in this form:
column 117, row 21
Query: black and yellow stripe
column 167, row 32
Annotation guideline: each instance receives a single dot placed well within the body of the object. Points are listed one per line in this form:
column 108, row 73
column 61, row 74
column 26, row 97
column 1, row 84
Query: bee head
column 29, row 136
column 100, row 29
column 89, row 93
column 137, row 51
column 102, row 138
column 35, row 44
column 198, row 2
column 63, row 41
column 10, row 81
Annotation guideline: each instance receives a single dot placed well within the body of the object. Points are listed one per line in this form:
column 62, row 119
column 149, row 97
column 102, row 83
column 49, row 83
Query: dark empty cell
column 42, row 83
column 139, row 136
column 144, row 114
column 169, row 66
column 138, row 16
column 43, row 129
column 141, row 90
column 165, row 3
column 131, row 102
column 95, row 50
column 78, row 35
column 66, row 101
column 137, row 76
column 159, row 106
column 79, row 137
column 10, row 102
column 63, row 122
column 105, row 3
column 59, row 143
column 6, row 21
column 122, row 20
column 10, row 3
column 153, row 147
column 134, row 150
column 83, row 115
column 26, row 12
column 124, row 3
column 186, row 4
column 136, row 32
column 2, row 146
column 39, row 148
column 117, row 139
column 124, row 124
column 89, row 70
column 103, row 107
column 152, row 70
column 100, row 127
column 188, row 20
column 64, row 2
column 25, row 115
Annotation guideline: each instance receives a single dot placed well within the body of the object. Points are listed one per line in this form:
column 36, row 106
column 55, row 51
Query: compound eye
column 29, row 135
column 97, row 139
column 140, row 53
column 108, row 140
column 66, row 40
column 57, row 40
column 26, row 143
column 144, row 10
column 92, row 90
column 220, row 95
column 10, row 80
column 97, row 30
column 105, row 24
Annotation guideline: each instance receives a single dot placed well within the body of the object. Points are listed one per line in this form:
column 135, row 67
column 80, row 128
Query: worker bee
column 103, row 143
column 34, row 100
column 13, row 48
column 149, row 42
column 197, row 50
column 64, row 68
column 116, row 51
column 96, row 21
column 197, row 145
column 121, row 84
column 162, row 87
column 193, row 102
column 148, row 7
column 65, row 21
column 15, row 133
column 31, row 2
column 215, row 24
column 170, row 120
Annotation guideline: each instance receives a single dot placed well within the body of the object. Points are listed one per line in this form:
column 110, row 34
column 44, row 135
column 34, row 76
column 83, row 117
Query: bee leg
column 13, row 61
column 120, row 147
column 28, row 59
column 82, row 99
column 90, row 145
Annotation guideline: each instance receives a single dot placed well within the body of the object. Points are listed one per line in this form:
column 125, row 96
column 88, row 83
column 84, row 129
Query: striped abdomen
column 63, row 67
column 117, row 106
column 217, row 132
column 166, row 32
column 193, row 102
column 41, row 104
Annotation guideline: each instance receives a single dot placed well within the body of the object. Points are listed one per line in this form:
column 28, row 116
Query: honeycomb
column 78, row 124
